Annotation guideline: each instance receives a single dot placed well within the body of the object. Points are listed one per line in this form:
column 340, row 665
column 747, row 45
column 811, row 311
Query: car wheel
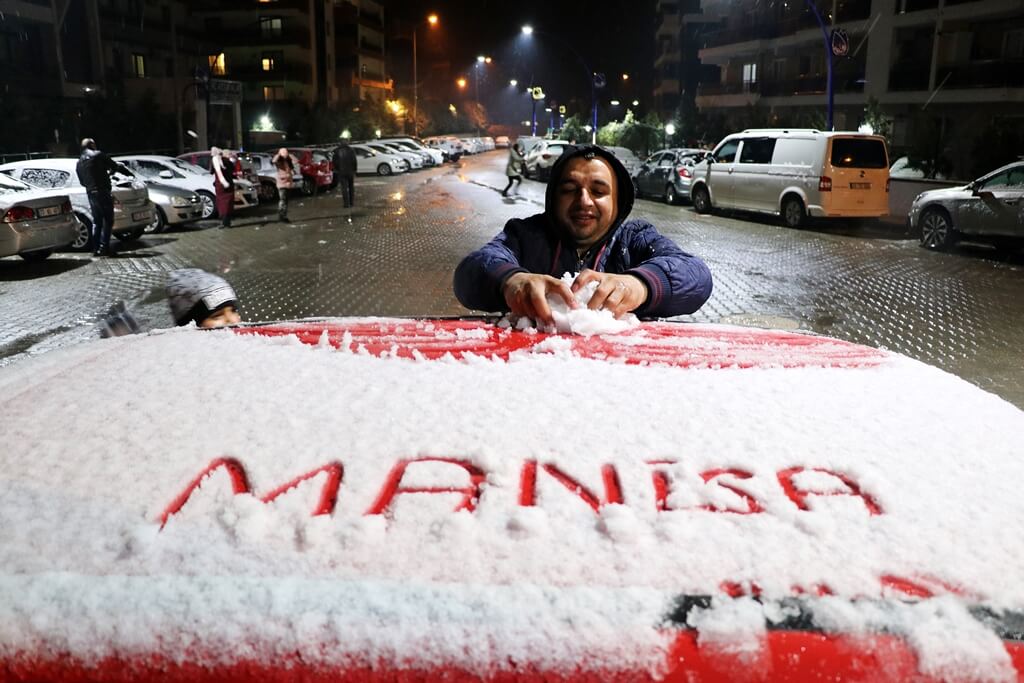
column 209, row 204
column 671, row 197
column 384, row 169
column 131, row 235
column 33, row 256
column 268, row 192
column 793, row 212
column 159, row 223
column 83, row 238
column 701, row 200
column 937, row 229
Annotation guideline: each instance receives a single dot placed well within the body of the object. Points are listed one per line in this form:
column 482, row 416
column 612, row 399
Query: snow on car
column 376, row 498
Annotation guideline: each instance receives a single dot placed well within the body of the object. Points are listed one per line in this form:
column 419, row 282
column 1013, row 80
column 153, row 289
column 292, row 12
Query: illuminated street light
column 377, row 132
column 487, row 59
column 513, row 82
column 527, row 29
column 461, row 82
column 625, row 77
column 346, row 134
column 615, row 103
column 432, row 20
column 481, row 58
column 636, row 103
column 548, row 109
column 670, row 129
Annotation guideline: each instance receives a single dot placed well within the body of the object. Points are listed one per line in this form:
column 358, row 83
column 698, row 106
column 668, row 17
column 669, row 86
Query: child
column 203, row 298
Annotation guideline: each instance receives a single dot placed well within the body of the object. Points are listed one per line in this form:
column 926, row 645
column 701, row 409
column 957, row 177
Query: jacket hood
column 623, row 181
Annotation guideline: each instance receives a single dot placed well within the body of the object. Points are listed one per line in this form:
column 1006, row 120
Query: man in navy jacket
column 583, row 229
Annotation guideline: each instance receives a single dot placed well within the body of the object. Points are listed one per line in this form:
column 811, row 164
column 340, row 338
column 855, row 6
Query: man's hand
column 525, row 294
column 619, row 294
column 225, row 184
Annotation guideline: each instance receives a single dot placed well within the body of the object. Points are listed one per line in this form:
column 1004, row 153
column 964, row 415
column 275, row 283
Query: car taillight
column 887, row 181
column 19, row 213
column 66, row 206
column 684, row 172
column 824, row 184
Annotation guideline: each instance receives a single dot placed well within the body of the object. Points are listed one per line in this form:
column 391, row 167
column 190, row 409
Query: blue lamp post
column 828, row 60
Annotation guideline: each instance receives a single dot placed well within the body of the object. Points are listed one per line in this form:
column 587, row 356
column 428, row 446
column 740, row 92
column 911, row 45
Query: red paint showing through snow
column 470, row 491
column 786, row 657
column 674, row 344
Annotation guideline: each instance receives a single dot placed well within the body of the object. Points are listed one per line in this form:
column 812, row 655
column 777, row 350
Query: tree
column 879, row 122
column 573, row 129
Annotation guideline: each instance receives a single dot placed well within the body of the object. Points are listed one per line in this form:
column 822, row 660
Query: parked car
column 381, row 163
column 414, row 145
column 501, row 141
column 904, row 167
column 425, row 158
column 795, row 174
column 991, row 207
column 316, row 168
column 34, row 222
column 667, row 174
column 175, row 204
column 267, row 172
column 244, row 168
column 628, row 159
column 413, row 161
column 450, row 146
column 188, row 176
column 542, row 157
column 372, row 509
column 133, row 211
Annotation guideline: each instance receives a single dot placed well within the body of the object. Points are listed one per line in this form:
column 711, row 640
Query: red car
column 316, row 167
column 381, row 499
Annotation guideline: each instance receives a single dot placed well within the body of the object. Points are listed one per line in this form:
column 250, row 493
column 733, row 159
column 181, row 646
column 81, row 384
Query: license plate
column 860, row 186
column 49, row 211
column 141, row 216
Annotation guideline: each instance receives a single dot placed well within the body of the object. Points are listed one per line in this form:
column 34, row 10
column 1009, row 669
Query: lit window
column 218, row 65
column 749, row 74
column 271, row 60
column 268, row 63
column 139, row 65
column 273, row 92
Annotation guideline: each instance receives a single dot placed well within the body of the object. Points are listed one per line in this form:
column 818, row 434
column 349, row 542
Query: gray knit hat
column 195, row 294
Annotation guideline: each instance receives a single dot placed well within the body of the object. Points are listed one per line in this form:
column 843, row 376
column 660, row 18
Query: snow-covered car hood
column 943, row 194
column 422, row 495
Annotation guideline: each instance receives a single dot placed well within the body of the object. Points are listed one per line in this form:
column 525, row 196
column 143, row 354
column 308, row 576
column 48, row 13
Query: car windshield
column 182, row 165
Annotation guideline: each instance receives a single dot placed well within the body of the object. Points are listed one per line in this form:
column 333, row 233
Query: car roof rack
column 782, row 130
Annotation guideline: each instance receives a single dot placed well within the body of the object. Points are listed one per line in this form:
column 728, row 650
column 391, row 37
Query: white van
column 795, row 174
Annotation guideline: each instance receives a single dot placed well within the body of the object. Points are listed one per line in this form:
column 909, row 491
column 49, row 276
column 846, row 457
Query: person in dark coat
column 94, row 170
column 345, row 166
column 514, row 167
column 223, row 168
column 584, row 229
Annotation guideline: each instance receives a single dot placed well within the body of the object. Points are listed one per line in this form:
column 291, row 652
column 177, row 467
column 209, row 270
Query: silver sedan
column 991, row 207
column 34, row 222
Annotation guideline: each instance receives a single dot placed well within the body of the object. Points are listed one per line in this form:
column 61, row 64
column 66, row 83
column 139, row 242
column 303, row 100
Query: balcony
column 254, row 37
column 371, row 48
column 295, row 72
column 370, row 21
column 982, row 74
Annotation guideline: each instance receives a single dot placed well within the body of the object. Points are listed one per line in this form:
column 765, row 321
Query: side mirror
column 983, row 194
column 166, row 174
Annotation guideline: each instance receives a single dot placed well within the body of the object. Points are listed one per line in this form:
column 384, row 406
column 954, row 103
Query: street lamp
column 592, row 77
column 480, row 61
column 432, row 21
column 461, row 82
column 670, row 130
column 513, row 82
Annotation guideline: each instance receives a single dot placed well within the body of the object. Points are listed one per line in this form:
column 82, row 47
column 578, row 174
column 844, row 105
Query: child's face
column 221, row 317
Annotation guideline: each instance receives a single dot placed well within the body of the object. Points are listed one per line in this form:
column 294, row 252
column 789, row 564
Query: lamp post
column 528, row 30
column 828, row 60
column 432, row 20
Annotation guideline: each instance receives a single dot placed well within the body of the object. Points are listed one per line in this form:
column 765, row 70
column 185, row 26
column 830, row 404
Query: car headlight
column 178, row 200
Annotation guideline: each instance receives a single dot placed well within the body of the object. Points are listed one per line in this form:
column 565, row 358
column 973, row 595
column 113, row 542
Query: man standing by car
column 345, row 166
column 583, row 230
column 94, row 170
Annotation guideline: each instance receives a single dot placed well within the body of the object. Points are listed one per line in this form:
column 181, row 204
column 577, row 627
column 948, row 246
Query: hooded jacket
column 677, row 282
column 93, row 169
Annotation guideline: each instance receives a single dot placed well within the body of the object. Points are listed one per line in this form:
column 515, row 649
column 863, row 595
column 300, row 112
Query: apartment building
column 954, row 66
column 361, row 61
column 681, row 26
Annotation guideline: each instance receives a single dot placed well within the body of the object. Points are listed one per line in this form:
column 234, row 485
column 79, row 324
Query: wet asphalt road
column 962, row 311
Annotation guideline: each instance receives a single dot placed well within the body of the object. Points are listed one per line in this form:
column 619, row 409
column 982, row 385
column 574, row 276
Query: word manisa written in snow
column 468, row 479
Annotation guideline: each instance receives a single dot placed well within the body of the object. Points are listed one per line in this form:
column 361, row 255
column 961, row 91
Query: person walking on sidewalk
column 223, row 184
column 345, row 166
column 94, row 170
column 514, row 168
column 285, row 174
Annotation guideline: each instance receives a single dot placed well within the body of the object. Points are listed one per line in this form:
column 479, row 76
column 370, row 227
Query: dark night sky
column 613, row 37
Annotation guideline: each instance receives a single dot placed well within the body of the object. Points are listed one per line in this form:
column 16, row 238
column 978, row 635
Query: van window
column 727, row 152
column 797, row 152
column 858, row 153
column 757, row 151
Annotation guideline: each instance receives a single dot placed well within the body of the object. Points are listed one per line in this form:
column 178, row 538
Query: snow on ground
column 548, row 506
